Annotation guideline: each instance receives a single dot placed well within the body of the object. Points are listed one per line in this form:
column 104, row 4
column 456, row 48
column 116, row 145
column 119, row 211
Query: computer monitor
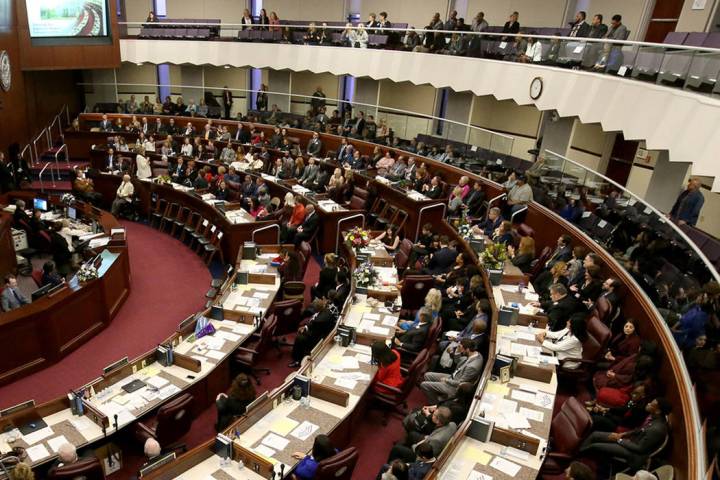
column 74, row 283
column 72, row 213
column 41, row 292
column 40, row 204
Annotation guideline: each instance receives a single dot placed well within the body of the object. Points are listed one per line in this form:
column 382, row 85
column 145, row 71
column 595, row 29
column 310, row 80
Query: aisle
column 168, row 283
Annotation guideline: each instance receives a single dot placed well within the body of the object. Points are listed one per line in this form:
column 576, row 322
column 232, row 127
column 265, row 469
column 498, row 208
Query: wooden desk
column 50, row 328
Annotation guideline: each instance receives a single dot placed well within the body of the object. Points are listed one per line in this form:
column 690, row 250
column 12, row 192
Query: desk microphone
column 116, row 422
column 282, row 470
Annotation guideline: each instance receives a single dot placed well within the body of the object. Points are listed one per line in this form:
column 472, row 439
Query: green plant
column 494, row 256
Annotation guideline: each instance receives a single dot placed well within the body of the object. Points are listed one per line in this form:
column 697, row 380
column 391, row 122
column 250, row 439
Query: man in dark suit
column 242, row 135
column 474, row 200
column 60, row 250
column 434, row 190
column 171, row 129
column 443, row 259
column 492, row 222
column 145, row 126
column 560, row 307
column 159, row 127
column 227, row 101
column 413, row 340
column 105, row 124
column 309, row 225
column 317, row 328
column 314, row 146
column 309, row 173
column 633, row 446
column 342, row 151
column 318, row 100
column 563, row 251
column 112, row 163
column 580, row 28
column 12, row 298
column 511, row 26
column 20, row 215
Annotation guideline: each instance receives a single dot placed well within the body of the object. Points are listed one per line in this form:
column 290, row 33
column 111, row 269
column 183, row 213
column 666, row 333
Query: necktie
column 17, row 297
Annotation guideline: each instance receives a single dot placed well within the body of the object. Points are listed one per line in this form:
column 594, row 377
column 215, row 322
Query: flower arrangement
column 67, row 199
column 365, row 275
column 87, row 273
column 494, row 256
column 162, row 179
column 357, row 238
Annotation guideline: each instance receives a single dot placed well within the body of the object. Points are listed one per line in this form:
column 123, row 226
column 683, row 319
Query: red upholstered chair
column 568, row 429
column 413, row 291
column 407, row 357
column 338, row 467
column 400, row 260
column 293, row 291
column 540, row 262
column 247, row 354
column 406, row 246
column 525, row 230
column 86, row 468
column 171, row 423
column 37, row 276
column 288, row 318
column 306, row 250
column 393, row 399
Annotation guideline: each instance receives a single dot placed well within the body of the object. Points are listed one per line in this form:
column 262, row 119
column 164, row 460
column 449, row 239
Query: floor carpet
column 168, row 283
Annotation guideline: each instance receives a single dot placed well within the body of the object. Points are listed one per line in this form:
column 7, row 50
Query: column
column 556, row 132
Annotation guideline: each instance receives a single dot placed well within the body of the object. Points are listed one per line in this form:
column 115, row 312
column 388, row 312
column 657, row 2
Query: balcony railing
column 690, row 66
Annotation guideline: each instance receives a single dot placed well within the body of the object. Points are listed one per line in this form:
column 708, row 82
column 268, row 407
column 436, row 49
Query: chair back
column 174, row 420
column 401, row 260
column 414, row 289
column 306, row 250
column 540, row 262
column 338, row 467
column 569, row 427
column 86, row 468
column 414, row 372
column 293, row 290
column 406, row 246
column 288, row 318
column 37, row 276
column 600, row 332
column 603, row 309
column 433, row 333
column 266, row 334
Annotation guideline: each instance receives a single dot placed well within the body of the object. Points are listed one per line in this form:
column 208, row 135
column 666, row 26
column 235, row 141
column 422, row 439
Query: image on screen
column 40, row 204
column 67, row 18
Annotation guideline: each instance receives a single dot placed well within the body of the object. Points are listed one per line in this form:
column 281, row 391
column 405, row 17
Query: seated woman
column 335, row 182
column 433, row 302
column 455, row 203
column 463, row 267
column 556, row 274
column 326, row 280
column 321, row 450
column 389, row 238
column 232, row 405
column 503, row 234
column 566, row 343
column 624, row 344
column 613, row 384
column 591, row 287
column 388, row 367
column 524, row 255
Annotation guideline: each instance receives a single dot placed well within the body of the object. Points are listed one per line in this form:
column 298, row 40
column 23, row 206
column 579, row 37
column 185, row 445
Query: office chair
column 567, row 431
column 393, row 399
column 37, row 276
column 86, row 468
column 288, row 315
column 413, row 292
column 247, row 354
column 171, row 423
column 338, row 467
column 293, row 290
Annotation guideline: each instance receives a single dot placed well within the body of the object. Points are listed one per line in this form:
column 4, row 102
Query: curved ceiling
column 684, row 123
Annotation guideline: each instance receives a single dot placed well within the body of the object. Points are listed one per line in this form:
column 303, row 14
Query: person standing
column 686, row 209
column 227, row 101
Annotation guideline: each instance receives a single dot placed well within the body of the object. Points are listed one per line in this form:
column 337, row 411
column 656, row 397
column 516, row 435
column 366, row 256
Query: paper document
column 516, row 421
column 505, row 466
column 168, row 391
column 283, row 426
column 264, row 451
column 82, row 423
column 37, row 453
column 157, row 382
column 214, row 354
column 230, row 337
column 532, row 414
column 55, row 443
column 507, row 406
column 38, row 435
column 544, row 400
column 523, row 396
column 275, row 441
column 389, row 320
column 344, row 383
column 351, row 363
column 475, row 475
column 261, row 295
column 361, row 357
column 372, row 316
column 243, row 328
column 304, row 431
column 517, row 349
column 379, row 331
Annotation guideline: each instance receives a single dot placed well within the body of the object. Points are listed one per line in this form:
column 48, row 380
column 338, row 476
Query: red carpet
column 168, row 283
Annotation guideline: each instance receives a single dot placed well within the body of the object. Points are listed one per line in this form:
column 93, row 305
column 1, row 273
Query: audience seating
column 568, row 429
column 172, row 422
column 247, row 354
column 85, row 468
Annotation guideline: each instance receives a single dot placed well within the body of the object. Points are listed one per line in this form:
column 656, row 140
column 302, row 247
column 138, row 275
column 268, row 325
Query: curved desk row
column 45, row 331
column 548, row 226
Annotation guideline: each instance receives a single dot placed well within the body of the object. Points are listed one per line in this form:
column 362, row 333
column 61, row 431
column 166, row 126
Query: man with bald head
column 688, row 204
column 123, row 196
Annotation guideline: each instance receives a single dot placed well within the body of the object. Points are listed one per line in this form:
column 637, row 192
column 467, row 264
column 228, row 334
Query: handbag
column 203, row 327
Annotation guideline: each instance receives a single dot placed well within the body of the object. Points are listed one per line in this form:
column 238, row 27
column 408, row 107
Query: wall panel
column 416, row 13
column 305, row 83
column 12, row 103
column 506, row 116
column 548, row 13
column 310, row 10
column 696, row 20
column 408, row 96
column 132, row 73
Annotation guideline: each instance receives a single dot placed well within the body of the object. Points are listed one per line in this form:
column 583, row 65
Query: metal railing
column 690, row 67
column 425, row 209
column 52, row 177
column 339, row 230
column 276, row 226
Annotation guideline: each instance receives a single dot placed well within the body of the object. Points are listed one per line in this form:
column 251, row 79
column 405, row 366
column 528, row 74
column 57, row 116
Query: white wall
column 137, row 11
column 309, row 10
column 305, row 83
column 631, row 10
column 696, row 20
column 416, row 13
column 533, row 13
column 132, row 73
column 366, row 91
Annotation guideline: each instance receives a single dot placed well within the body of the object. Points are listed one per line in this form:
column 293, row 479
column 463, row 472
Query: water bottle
column 241, row 465
column 521, row 287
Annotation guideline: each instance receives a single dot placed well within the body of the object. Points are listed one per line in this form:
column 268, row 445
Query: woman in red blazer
column 388, row 372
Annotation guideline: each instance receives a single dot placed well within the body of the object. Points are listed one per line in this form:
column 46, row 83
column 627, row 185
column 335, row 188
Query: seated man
column 560, row 307
column 85, row 188
column 307, row 229
column 152, row 452
column 443, row 259
column 490, row 224
column 67, row 455
column 633, row 446
column 413, row 339
column 123, row 196
column 20, row 216
column 474, row 200
column 12, row 297
column 440, row 386
column 438, row 439
column 312, row 332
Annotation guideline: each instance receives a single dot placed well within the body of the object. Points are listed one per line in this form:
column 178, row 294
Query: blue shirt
column 307, row 468
column 409, row 326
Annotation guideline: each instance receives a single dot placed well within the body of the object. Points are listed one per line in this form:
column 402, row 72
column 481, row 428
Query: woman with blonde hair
column 556, row 274
column 326, row 281
column 433, row 302
column 22, row 471
column 524, row 255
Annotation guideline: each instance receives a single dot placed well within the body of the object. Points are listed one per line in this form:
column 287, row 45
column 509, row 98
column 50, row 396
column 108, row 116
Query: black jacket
column 414, row 339
column 442, row 261
column 559, row 312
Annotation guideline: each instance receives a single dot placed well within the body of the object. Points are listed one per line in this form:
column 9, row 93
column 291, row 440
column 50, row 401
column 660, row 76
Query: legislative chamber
column 359, row 240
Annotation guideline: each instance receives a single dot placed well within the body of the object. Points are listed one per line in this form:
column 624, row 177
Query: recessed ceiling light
column 227, row 66
column 139, row 64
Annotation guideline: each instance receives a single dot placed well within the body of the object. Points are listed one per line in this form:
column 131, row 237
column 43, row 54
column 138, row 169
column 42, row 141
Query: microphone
column 116, row 422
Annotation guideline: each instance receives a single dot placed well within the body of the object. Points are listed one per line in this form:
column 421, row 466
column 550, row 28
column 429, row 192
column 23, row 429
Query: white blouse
column 565, row 345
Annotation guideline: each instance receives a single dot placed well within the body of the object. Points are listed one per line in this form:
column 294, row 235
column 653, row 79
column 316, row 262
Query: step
column 60, row 185
column 61, row 165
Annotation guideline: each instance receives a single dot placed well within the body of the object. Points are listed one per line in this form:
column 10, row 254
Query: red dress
column 389, row 375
